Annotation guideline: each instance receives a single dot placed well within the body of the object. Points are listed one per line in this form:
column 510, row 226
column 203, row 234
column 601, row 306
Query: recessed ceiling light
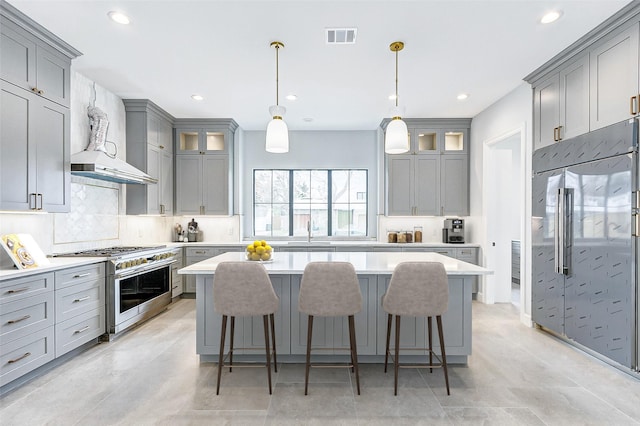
column 291, row 97
column 392, row 97
column 197, row 97
column 119, row 17
column 462, row 96
column 551, row 16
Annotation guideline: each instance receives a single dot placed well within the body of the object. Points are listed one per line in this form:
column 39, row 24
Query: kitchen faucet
column 308, row 231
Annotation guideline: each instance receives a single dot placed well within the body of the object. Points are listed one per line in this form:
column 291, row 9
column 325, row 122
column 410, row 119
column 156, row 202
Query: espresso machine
column 453, row 231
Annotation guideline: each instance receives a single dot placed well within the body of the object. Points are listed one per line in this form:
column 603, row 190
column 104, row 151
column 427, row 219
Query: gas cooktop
column 109, row 251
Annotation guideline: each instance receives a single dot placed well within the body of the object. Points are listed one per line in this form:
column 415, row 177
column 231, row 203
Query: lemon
column 257, row 243
column 265, row 256
column 255, row 256
column 259, row 250
column 268, row 248
column 263, row 243
column 251, row 248
column 249, row 255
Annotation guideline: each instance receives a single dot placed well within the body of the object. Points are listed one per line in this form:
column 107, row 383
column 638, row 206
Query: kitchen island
column 374, row 271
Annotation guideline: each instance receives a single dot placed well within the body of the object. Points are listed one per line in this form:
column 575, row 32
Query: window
column 333, row 202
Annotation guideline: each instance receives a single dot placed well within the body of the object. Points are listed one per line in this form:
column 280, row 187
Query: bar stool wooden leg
column 386, row 352
column 233, row 332
column 221, row 356
column 273, row 342
column 308, row 363
column 444, row 355
column 430, row 344
column 354, row 350
column 397, row 357
column 265, row 321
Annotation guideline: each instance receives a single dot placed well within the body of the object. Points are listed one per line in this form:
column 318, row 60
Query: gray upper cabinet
column 561, row 103
column 614, row 78
column 150, row 149
column 592, row 84
column 33, row 65
column 204, row 172
column 34, row 119
column 433, row 178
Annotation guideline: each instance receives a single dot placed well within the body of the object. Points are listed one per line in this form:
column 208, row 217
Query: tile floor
column 151, row 375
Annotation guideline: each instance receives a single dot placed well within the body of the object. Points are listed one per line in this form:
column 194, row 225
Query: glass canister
column 402, row 237
column 392, row 237
column 409, row 236
column 417, row 234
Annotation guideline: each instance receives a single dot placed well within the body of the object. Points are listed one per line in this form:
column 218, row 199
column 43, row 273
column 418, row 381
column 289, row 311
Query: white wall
column 308, row 150
column 510, row 113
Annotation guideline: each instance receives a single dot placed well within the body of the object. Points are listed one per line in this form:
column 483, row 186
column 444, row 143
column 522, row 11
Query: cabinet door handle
column 81, row 275
column 559, row 133
column 11, row 361
column 161, row 208
column 81, row 299
column 161, row 146
column 82, row 330
column 40, row 197
column 17, row 290
column 633, row 105
column 555, row 134
column 34, row 204
column 26, row 317
column 441, row 210
column 174, row 287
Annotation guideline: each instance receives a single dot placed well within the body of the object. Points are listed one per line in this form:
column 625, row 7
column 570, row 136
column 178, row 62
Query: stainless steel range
column 138, row 282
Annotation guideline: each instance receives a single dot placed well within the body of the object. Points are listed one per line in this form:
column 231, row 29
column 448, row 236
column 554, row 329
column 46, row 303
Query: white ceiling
column 220, row 49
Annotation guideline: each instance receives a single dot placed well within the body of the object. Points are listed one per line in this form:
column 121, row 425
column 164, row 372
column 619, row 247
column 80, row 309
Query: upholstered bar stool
column 243, row 289
column 417, row 289
column 330, row 289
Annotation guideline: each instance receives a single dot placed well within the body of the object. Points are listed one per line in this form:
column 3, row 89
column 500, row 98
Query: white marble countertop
column 319, row 243
column 56, row 263
column 364, row 262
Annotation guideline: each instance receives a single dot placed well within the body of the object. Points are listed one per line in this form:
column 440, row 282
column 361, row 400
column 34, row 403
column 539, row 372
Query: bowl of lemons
column 259, row 251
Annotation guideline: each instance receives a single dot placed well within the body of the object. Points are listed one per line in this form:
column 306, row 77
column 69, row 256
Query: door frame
column 487, row 292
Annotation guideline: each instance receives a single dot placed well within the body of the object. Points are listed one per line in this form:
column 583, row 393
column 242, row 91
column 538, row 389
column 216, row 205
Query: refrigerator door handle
column 568, row 231
column 558, row 242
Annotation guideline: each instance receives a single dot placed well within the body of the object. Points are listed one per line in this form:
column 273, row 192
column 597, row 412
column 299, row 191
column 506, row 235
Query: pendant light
column 277, row 131
column 396, row 138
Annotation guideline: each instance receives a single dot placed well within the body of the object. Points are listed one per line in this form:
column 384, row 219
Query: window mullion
column 291, row 203
column 329, row 204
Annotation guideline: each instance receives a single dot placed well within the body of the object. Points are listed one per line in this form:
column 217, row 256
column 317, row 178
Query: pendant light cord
column 277, row 73
column 396, row 78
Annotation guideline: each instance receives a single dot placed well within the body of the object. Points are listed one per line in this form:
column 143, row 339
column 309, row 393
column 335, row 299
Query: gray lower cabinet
column 249, row 331
column 80, row 306
column 46, row 315
column 331, row 333
column 413, row 330
column 27, row 328
column 150, row 149
column 34, row 152
column 177, row 282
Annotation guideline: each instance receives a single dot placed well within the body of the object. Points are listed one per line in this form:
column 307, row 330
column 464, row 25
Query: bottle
column 392, row 237
column 409, row 236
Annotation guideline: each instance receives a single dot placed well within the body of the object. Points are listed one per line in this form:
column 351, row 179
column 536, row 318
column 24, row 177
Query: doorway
column 504, row 216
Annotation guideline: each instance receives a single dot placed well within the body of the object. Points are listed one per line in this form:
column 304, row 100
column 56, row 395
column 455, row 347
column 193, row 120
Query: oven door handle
column 143, row 269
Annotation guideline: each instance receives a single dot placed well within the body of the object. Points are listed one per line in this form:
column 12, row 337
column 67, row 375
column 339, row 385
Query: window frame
column 291, row 204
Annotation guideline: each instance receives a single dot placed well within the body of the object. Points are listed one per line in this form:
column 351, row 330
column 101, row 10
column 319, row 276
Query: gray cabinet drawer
column 79, row 298
column 440, row 250
column 23, row 355
column 466, row 252
column 25, row 316
column 20, row 288
column 73, row 276
column 79, row 330
column 205, row 252
column 377, row 249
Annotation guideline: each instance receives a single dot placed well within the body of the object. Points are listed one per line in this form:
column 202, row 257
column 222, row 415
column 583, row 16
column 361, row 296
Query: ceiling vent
column 341, row 35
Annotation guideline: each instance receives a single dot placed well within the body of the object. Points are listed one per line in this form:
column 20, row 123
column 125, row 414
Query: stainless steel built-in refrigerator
column 584, row 227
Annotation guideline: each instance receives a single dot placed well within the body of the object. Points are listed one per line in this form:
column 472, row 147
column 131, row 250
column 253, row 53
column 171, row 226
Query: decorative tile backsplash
column 93, row 216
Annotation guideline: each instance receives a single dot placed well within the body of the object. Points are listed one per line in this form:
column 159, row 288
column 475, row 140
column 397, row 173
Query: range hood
column 94, row 162
column 99, row 165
